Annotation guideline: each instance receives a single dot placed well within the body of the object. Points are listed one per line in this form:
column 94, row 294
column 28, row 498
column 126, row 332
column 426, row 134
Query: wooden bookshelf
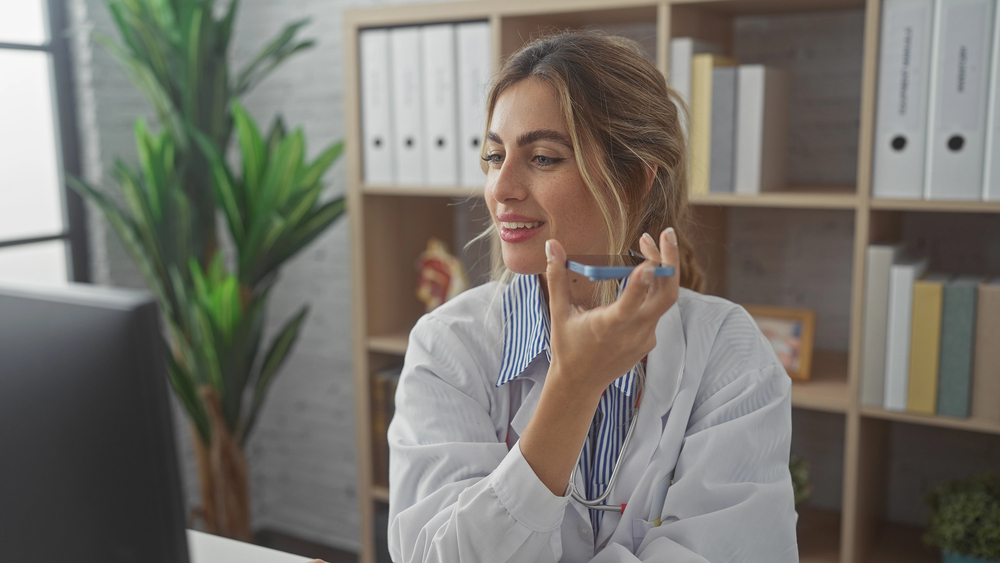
column 390, row 226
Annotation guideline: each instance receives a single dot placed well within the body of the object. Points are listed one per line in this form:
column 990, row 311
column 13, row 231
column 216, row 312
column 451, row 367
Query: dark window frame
column 78, row 263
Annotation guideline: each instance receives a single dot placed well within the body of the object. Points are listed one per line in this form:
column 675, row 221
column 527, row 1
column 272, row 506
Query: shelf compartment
column 968, row 424
column 800, row 197
column 755, row 7
column 826, row 389
column 818, row 534
column 936, row 205
column 898, row 543
column 389, row 343
column 422, row 191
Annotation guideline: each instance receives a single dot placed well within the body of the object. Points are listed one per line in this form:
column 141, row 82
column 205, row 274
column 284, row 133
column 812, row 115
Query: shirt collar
column 526, row 331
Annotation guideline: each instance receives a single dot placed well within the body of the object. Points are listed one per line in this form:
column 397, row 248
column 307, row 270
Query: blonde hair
column 622, row 120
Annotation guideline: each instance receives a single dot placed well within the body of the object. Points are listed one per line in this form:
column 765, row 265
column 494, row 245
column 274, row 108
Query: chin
column 521, row 263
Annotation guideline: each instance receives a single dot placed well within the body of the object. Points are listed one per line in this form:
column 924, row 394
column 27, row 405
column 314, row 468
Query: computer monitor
column 88, row 466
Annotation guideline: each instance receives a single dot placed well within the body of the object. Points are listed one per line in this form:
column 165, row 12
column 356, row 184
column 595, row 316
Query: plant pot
column 222, row 476
column 952, row 557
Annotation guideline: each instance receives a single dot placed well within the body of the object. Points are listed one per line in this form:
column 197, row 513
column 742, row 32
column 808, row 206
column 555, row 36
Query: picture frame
column 791, row 333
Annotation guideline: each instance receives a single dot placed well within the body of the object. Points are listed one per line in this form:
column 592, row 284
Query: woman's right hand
column 593, row 347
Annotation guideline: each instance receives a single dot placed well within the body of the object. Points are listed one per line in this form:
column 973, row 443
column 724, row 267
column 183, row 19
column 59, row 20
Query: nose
column 506, row 184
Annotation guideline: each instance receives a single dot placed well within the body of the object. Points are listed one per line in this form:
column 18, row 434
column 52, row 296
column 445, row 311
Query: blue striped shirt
column 525, row 336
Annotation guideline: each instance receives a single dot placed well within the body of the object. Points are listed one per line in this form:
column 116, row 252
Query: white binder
column 959, row 79
column 991, row 170
column 761, row 129
column 473, row 79
column 407, row 107
column 903, row 81
column 897, row 338
column 376, row 107
column 440, row 111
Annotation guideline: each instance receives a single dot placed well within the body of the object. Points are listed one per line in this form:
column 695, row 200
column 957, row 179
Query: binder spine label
column 961, row 89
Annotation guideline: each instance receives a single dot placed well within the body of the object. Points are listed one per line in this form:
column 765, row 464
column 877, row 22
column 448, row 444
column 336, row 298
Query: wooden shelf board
column 818, row 534
column 423, row 191
column 970, row 424
column 898, row 543
column 753, row 7
column 826, row 389
column 935, row 205
column 380, row 493
column 799, row 197
column 389, row 343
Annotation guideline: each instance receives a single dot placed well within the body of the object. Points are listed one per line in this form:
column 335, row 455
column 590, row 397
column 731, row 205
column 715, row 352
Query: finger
column 557, row 279
column 670, row 256
column 634, row 294
column 648, row 248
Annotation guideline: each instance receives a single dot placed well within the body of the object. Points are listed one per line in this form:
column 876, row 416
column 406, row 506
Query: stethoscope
column 598, row 503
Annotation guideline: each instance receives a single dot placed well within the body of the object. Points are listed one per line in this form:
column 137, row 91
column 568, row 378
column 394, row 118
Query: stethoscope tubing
column 597, row 504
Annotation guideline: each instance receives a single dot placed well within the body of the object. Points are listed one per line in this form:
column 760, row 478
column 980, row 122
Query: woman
column 517, row 396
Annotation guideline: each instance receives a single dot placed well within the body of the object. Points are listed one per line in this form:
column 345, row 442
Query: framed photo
column 791, row 333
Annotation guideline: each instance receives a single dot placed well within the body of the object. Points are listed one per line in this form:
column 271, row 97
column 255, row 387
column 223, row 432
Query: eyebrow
column 532, row 136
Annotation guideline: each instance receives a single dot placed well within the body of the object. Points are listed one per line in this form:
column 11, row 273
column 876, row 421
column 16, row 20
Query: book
column 902, row 274
column 440, row 104
column 383, row 394
column 925, row 343
column 986, row 367
column 701, row 119
column 682, row 51
column 879, row 260
column 901, row 113
column 377, row 153
column 722, row 157
column 958, row 103
column 761, row 129
column 958, row 337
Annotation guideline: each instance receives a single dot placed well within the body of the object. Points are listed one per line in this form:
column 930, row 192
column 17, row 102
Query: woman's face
column 533, row 186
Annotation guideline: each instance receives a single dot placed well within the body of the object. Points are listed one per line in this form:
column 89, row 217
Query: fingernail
column 548, row 250
column 671, row 236
column 649, row 238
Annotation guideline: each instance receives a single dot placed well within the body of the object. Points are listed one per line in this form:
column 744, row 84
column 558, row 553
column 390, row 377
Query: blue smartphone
column 599, row 267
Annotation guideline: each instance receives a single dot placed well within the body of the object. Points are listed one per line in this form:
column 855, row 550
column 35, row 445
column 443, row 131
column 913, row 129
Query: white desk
column 206, row 548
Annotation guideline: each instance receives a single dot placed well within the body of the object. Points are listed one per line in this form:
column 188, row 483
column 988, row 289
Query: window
column 42, row 234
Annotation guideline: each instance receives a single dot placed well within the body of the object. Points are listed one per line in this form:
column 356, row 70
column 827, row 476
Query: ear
column 650, row 176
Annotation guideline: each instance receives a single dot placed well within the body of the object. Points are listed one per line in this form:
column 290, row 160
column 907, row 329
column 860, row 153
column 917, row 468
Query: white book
column 474, row 71
column 407, row 107
column 376, row 123
column 991, row 170
column 879, row 260
column 903, row 82
column 902, row 275
column 440, row 104
column 958, row 104
column 682, row 49
column 761, row 129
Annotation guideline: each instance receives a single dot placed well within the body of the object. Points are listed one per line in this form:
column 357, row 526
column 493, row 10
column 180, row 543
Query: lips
column 515, row 227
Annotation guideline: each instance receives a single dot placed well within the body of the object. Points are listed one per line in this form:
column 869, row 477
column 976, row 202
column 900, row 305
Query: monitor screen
column 88, row 466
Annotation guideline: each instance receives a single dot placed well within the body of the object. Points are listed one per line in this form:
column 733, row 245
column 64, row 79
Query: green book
column 958, row 335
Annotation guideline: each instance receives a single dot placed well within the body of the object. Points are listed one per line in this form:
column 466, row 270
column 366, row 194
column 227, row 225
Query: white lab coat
column 715, row 419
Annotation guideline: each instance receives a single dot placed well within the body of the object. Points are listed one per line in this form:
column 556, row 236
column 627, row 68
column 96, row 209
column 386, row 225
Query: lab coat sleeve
column 732, row 498
column 456, row 492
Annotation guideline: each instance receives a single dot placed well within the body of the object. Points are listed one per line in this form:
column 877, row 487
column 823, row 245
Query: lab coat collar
column 526, row 331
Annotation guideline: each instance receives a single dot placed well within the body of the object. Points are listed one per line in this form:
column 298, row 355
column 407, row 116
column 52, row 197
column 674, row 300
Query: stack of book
column 423, row 104
column 739, row 119
column 383, row 407
column 937, row 114
column 931, row 340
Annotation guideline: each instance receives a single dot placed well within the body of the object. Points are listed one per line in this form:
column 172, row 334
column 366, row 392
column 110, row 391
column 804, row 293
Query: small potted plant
column 965, row 520
column 799, row 468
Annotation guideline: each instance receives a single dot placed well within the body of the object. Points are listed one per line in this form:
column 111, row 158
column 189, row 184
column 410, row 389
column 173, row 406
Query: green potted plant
column 799, row 468
column 176, row 51
column 964, row 519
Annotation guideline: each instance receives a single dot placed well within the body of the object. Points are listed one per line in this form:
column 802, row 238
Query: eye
column 543, row 160
column 493, row 159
